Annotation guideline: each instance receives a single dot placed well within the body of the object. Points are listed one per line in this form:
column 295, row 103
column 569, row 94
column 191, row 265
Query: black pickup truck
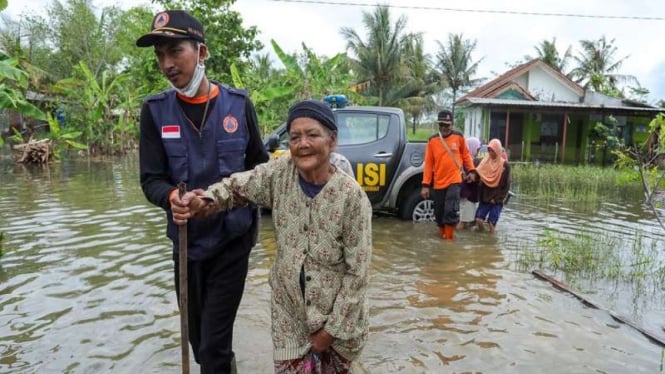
column 387, row 166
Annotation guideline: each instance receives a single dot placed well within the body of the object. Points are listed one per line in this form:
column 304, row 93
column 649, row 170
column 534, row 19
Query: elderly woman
column 494, row 186
column 323, row 224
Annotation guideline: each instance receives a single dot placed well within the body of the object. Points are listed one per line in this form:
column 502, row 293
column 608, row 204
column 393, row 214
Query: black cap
column 445, row 117
column 173, row 24
column 312, row 109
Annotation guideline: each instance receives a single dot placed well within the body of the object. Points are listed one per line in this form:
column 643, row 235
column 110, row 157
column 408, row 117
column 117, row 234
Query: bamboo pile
column 34, row 151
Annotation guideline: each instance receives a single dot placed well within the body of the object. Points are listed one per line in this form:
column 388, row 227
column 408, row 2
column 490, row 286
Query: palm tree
column 414, row 92
column 455, row 63
column 550, row 55
column 598, row 66
column 378, row 58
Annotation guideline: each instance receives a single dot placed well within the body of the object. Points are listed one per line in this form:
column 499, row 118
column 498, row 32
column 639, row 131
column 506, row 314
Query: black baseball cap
column 445, row 117
column 173, row 24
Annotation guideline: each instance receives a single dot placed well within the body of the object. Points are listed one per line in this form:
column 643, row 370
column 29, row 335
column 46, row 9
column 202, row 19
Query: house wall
column 523, row 80
column 547, row 88
column 473, row 122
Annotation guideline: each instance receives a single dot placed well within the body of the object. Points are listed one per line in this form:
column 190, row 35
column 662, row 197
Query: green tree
column 306, row 75
column 77, row 34
column 643, row 161
column 26, row 41
column 414, row 93
column 547, row 51
column 455, row 64
column 139, row 63
column 597, row 67
column 13, row 84
column 100, row 109
column 314, row 76
column 378, row 58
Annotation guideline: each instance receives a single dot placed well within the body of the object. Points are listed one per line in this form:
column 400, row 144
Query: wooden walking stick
column 182, row 286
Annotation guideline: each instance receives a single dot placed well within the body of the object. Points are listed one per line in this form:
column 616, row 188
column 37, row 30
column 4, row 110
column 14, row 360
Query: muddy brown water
column 86, row 287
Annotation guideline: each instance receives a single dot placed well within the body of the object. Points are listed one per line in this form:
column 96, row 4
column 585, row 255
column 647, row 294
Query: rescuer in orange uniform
column 446, row 156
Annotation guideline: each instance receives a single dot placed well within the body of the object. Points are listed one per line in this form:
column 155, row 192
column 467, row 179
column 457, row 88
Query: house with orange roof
column 540, row 114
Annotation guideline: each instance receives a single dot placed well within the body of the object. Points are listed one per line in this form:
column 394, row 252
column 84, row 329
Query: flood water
column 86, row 287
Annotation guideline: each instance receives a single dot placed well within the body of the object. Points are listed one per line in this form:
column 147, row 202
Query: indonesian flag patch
column 171, row 132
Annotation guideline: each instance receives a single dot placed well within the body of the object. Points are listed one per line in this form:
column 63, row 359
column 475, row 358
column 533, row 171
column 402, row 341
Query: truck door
column 373, row 142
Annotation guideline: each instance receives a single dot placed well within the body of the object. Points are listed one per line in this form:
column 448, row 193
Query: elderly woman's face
column 310, row 144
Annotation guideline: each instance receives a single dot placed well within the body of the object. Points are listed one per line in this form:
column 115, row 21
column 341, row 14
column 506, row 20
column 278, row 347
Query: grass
column 594, row 256
column 422, row 133
column 581, row 186
column 2, row 239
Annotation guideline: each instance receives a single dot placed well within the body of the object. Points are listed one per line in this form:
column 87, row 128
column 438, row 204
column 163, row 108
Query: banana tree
column 314, row 76
column 271, row 91
column 62, row 138
column 13, row 83
column 93, row 104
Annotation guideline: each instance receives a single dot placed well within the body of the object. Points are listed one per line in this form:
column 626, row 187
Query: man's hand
column 189, row 206
column 424, row 193
column 320, row 341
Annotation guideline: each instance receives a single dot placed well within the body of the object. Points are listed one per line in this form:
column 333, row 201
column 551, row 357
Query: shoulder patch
column 457, row 132
column 433, row 136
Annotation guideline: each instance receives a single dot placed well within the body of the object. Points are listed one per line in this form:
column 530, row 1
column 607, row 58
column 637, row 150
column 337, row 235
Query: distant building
column 539, row 114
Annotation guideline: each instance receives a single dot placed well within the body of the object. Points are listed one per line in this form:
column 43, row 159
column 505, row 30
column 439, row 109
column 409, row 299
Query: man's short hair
column 445, row 117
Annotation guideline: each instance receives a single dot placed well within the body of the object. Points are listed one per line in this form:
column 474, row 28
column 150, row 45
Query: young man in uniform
column 199, row 132
column 446, row 154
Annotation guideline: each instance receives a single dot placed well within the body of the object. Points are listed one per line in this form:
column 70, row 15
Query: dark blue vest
column 201, row 159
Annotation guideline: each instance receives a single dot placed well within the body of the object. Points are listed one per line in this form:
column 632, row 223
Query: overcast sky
column 502, row 38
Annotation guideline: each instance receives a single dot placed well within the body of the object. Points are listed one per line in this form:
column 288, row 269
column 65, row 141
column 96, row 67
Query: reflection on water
column 86, row 287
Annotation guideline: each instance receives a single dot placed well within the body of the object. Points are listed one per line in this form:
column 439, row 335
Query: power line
column 488, row 11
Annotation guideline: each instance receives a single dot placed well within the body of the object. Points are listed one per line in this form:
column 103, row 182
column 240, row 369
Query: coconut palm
column 456, row 67
column 547, row 51
column 377, row 59
column 416, row 84
column 598, row 66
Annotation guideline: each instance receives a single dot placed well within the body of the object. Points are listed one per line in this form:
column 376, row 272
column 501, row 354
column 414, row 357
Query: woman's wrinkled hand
column 320, row 341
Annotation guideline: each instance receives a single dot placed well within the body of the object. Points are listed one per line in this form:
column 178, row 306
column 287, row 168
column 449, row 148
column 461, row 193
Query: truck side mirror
column 273, row 142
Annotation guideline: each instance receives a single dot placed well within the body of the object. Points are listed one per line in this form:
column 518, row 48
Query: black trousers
column 446, row 205
column 215, row 287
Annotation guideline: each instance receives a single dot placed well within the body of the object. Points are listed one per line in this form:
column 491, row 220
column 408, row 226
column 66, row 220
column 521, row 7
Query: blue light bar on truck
column 336, row 101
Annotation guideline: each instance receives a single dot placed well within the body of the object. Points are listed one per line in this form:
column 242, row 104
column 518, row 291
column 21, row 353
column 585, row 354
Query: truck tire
column 415, row 208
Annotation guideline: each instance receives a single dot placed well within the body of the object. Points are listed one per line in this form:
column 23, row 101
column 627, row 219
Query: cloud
column 502, row 38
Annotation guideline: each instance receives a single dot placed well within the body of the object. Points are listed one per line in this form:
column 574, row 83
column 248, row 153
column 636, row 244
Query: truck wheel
column 416, row 209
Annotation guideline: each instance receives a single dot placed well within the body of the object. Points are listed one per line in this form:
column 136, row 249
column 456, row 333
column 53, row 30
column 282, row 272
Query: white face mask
column 192, row 87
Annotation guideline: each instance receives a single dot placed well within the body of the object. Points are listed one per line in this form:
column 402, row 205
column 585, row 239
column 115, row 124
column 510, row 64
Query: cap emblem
column 161, row 20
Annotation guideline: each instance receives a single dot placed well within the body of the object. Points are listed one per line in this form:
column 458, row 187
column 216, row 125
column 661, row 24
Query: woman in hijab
column 494, row 174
